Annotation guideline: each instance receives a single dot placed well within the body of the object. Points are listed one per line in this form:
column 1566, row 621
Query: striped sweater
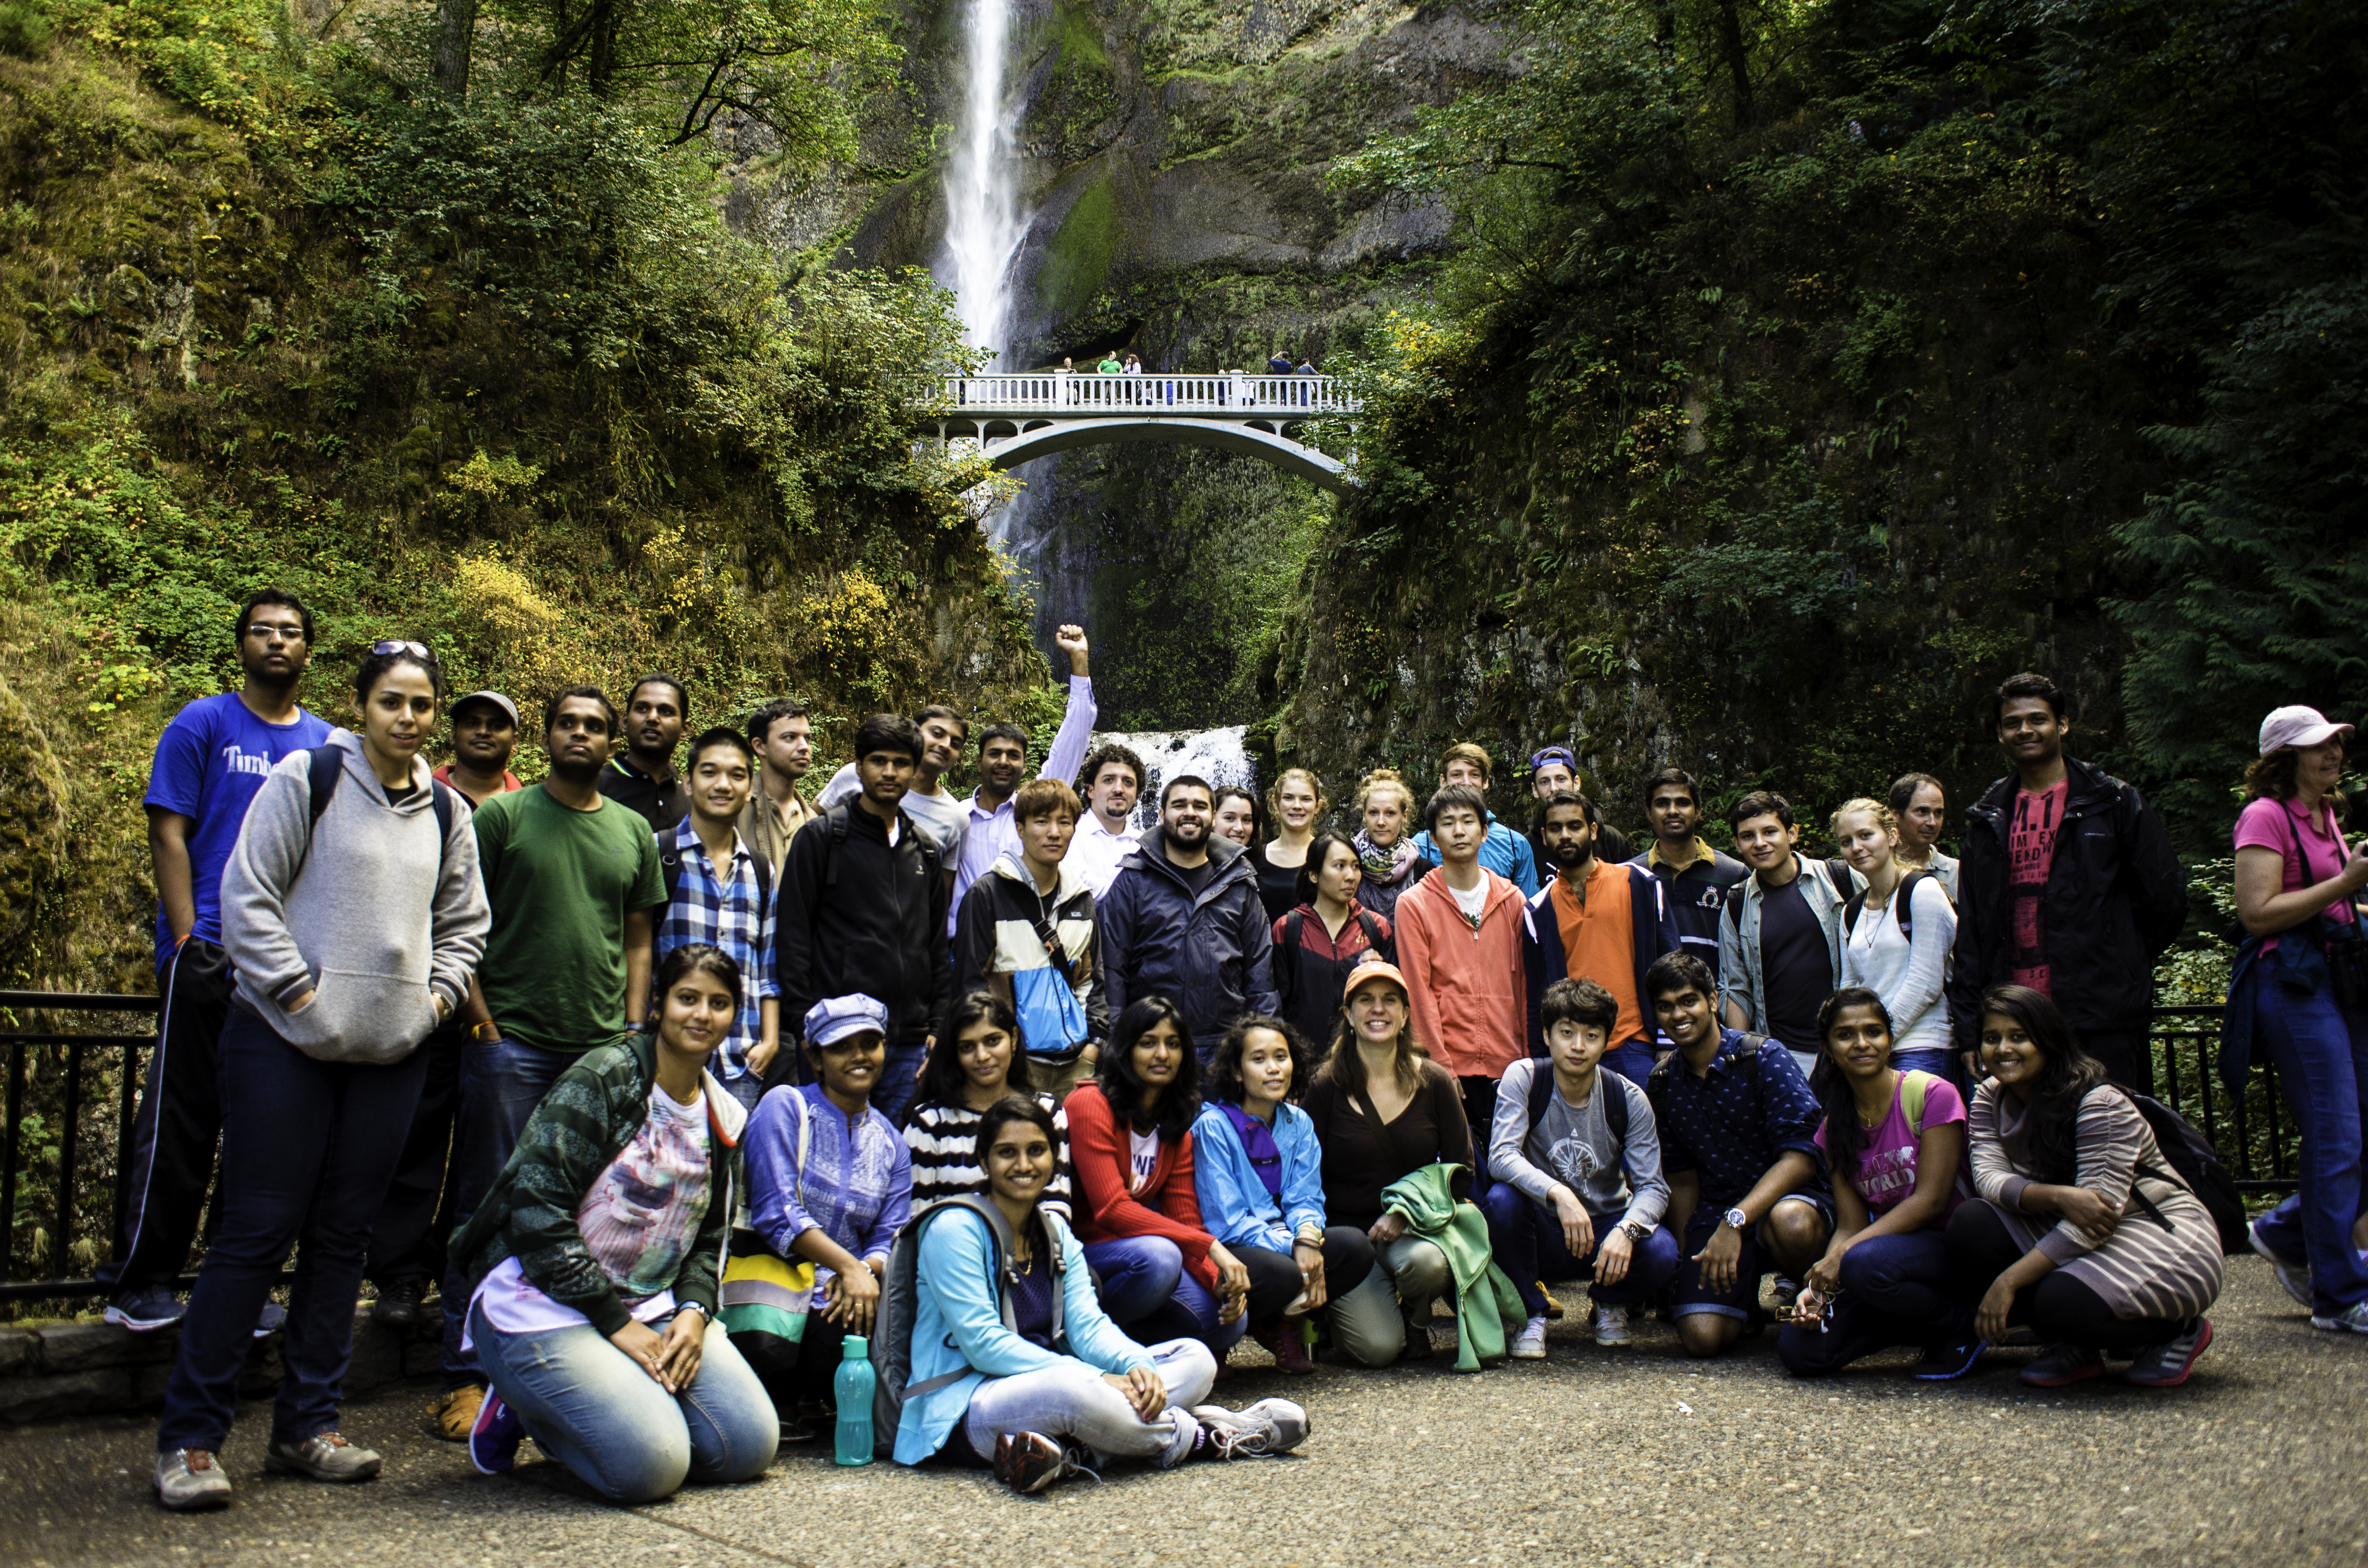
column 2142, row 1270
column 943, row 1140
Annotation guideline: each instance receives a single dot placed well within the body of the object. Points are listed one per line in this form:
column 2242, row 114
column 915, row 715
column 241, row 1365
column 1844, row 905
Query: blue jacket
column 958, row 1323
column 1544, row 960
column 1235, row 1207
column 1505, row 852
column 1209, row 954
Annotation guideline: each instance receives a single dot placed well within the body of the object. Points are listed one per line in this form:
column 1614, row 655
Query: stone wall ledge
column 73, row 1369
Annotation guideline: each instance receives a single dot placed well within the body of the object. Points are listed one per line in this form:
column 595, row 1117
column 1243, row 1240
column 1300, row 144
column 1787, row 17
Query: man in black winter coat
column 863, row 910
column 2068, row 885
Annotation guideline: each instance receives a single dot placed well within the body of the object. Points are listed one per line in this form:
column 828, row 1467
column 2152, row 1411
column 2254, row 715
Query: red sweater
column 1167, row 1206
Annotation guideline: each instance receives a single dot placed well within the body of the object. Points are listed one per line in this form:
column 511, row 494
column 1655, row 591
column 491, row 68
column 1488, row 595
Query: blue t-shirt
column 210, row 760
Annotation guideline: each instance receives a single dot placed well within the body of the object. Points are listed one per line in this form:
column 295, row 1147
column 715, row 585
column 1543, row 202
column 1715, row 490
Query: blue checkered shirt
column 706, row 909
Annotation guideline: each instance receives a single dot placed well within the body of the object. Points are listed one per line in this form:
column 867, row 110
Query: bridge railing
column 1089, row 393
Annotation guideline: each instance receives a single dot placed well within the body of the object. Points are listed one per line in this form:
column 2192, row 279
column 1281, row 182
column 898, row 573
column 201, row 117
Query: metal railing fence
column 1295, row 397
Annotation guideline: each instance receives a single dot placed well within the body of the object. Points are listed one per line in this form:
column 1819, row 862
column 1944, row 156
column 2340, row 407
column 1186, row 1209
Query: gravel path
column 1630, row 1455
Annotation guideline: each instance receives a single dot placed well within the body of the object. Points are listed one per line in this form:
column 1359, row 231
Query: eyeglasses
column 396, row 645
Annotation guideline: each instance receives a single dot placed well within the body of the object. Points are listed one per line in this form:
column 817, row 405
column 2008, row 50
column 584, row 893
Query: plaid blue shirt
column 706, row 909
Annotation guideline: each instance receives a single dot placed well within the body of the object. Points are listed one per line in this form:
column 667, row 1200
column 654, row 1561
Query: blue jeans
column 1529, row 1245
column 501, row 1082
column 1146, row 1292
column 589, row 1406
column 1633, row 1060
column 1939, row 1060
column 1894, row 1290
column 900, row 1080
column 2322, row 1060
column 308, row 1150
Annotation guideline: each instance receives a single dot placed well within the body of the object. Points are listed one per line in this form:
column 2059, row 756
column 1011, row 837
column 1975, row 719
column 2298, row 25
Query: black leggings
column 1274, row 1277
column 2059, row 1309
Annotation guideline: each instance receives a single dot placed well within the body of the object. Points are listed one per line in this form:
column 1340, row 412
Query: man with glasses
column 210, row 761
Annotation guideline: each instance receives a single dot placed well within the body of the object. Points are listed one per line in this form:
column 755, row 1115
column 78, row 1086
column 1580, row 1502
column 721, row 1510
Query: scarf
column 1385, row 867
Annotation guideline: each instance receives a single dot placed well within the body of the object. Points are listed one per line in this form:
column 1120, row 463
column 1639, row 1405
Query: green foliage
column 24, row 30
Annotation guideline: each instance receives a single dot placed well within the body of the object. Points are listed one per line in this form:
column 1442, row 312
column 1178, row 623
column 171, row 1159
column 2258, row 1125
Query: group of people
column 680, row 1088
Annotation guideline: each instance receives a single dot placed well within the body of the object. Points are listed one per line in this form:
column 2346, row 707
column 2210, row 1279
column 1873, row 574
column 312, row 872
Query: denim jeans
column 1145, row 1291
column 1529, row 1245
column 308, row 1149
column 501, row 1082
column 1894, row 1290
column 2322, row 1060
column 1939, row 1060
column 900, row 1079
column 1072, row 1400
column 589, row 1406
column 1633, row 1060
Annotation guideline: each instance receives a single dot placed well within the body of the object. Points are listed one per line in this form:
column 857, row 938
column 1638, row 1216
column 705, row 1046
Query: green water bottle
column 852, row 1387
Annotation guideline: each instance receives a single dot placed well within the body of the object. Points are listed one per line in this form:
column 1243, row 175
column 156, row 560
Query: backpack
column 670, row 866
column 839, row 819
column 324, row 767
column 1838, row 871
column 900, row 1301
column 1296, row 921
column 2196, row 1164
column 1900, row 900
column 1541, row 1088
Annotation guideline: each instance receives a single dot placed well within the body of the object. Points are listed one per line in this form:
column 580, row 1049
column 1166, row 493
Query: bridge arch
column 1007, row 448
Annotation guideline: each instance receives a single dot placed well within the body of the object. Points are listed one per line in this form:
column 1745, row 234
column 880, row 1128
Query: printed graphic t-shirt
column 2031, row 854
column 1142, row 1158
column 210, row 760
column 1885, row 1171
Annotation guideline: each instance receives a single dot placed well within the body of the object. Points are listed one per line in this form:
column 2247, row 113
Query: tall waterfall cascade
column 983, row 223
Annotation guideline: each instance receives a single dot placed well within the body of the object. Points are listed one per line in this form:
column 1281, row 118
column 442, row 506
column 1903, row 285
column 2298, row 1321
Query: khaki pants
column 1369, row 1323
column 1057, row 1078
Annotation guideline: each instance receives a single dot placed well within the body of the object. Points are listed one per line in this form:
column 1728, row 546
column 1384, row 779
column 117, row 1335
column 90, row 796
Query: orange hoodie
column 1469, row 997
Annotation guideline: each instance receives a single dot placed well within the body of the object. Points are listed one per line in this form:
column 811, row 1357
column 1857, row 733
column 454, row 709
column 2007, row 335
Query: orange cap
column 1371, row 969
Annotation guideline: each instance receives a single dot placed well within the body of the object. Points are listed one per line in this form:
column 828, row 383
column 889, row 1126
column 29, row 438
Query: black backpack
column 1285, row 975
column 324, row 767
column 1616, row 1104
column 1900, row 900
column 1838, row 871
column 2196, row 1164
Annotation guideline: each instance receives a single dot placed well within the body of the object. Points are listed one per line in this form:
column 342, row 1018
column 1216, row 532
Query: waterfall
column 1221, row 756
column 983, row 223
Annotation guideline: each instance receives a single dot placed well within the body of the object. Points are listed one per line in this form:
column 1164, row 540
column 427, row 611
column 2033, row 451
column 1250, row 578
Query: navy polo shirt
column 1732, row 1123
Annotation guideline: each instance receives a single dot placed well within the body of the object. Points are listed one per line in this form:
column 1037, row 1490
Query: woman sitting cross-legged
column 1260, row 1175
column 975, row 1063
column 1060, row 1391
column 1896, row 1142
column 598, row 1247
column 1382, row 1110
column 1163, row 1275
column 829, row 1182
column 2082, row 1231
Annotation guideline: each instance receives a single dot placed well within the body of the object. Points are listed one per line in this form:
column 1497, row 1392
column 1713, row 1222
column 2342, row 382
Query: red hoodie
column 1470, row 1000
column 1167, row 1205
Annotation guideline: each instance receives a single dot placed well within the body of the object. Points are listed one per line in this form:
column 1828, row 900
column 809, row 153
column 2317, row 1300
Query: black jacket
column 858, row 915
column 2116, row 898
column 1209, row 952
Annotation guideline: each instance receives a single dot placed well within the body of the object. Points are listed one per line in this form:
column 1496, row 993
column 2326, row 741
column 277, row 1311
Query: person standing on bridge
column 1503, row 851
column 1278, row 364
column 992, row 832
column 1111, row 781
column 1183, row 920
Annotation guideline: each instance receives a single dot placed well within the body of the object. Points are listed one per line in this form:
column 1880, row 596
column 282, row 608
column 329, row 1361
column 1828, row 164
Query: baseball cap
column 1371, row 969
column 2297, row 726
column 1553, row 754
column 496, row 699
column 834, row 1017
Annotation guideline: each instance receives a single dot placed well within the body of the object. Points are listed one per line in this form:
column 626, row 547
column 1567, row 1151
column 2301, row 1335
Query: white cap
column 2297, row 726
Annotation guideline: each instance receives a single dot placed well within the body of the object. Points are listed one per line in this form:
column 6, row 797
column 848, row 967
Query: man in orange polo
column 1596, row 920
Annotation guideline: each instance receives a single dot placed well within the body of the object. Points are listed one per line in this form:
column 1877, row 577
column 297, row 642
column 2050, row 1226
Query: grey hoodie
column 363, row 920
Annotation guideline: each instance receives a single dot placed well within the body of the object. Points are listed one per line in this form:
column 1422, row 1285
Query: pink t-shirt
column 2281, row 825
column 1887, row 1152
column 2031, row 854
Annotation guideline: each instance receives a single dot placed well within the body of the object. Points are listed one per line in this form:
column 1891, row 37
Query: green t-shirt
column 561, row 884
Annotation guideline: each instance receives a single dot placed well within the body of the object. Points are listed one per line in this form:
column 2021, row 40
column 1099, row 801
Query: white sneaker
column 2352, row 1318
column 1611, row 1325
column 2294, row 1276
column 1531, row 1344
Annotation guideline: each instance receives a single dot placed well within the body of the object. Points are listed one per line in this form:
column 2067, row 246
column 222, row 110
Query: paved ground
column 1633, row 1456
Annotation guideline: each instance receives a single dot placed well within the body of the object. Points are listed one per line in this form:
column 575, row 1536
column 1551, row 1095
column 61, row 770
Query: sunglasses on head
column 396, row 645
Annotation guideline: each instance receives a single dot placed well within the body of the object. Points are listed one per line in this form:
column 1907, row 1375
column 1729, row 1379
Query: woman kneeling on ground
column 1163, row 1275
column 1260, row 1175
column 1041, row 1400
column 596, row 1320
column 977, row 1063
column 1382, row 1109
column 2131, row 1258
column 1896, row 1144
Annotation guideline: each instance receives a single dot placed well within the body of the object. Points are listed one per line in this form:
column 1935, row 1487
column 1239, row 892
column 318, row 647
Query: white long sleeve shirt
column 1908, row 977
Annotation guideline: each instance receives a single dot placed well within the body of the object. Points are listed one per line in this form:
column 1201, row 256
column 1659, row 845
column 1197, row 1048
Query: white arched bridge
column 1015, row 418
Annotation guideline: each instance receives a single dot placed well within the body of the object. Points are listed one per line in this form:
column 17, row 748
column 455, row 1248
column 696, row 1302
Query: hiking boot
column 398, row 1300
column 1529, row 1345
column 1553, row 1308
column 2167, row 1366
column 1947, row 1363
column 2060, row 1366
column 494, row 1439
column 1290, row 1355
column 2293, row 1276
column 146, row 1310
column 455, row 1412
column 1270, row 1426
column 1611, row 1325
column 190, row 1479
column 271, row 1320
column 2352, row 1318
column 1028, row 1462
column 325, row 1456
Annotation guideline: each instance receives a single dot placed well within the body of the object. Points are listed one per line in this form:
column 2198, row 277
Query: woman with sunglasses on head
column 598, row 1251
column 975, row 1064
column 319, row 1066
column 1260, row 1175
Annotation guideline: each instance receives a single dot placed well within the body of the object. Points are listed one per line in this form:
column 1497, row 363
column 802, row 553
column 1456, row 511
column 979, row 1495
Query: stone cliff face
column 1176, row 159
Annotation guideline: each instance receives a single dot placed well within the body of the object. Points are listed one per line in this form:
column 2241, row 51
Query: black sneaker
column 146, row 1310
column 1947, row 1363
column 398, row 1301
column 1028, row 1462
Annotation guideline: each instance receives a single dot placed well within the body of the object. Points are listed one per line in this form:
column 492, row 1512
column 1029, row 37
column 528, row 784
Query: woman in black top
column 1295, row 805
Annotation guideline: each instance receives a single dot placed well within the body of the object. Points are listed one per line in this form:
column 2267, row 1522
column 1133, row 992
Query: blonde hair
column 1314, row 785
column 1384, row 778
column 1465, row 751
column 1880, row 814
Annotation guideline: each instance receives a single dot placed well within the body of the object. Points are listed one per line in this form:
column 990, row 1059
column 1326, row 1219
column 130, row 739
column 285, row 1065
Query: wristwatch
column 1638, row 1230
column 1736, row 1219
